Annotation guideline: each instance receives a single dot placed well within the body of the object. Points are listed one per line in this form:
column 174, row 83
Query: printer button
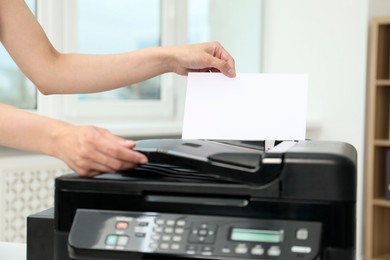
column 207, row 250
column 168, row 230
column 302, row 234
column 177, row 238
column 143, row 224
column 170, row 222
column 123, row 240
column 156, row 237
column 226, row 250
column 175, row 246
column 179, row 230
column 166, row 238
column 181, row 223
column 301, row 249
column 158, row 229
column 241, row 249
column 140, row 234
column 111, row 240
column 257, row 250
column 122, row 225
column 203, row 232
column 164, row 246
column 160, row 221
column 191, row 249
column 274, row 251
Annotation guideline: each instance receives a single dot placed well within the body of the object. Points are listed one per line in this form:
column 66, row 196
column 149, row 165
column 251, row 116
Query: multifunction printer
column 205, row 199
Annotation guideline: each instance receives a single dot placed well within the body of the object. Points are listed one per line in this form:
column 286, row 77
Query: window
column 198, row 21
column 114, row 27
column 126, row 26
column 15, row 88
column 156, row 105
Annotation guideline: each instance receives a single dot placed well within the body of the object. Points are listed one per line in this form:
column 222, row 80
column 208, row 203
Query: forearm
column 86, row 73
column 54, row 72
column 27, row 131
column 88, row 150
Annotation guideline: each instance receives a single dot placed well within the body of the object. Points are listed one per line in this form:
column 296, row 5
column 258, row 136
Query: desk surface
column 12, row 251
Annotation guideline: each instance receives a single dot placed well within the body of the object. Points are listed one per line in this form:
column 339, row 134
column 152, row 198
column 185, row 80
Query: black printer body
column 301, row 207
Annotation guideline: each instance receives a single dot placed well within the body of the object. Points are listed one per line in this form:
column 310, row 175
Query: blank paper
column 247, row 107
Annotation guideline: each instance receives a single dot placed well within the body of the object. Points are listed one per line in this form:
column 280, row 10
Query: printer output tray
column 209, row 160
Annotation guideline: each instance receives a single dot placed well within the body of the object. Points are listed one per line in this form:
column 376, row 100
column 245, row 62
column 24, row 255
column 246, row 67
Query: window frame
column 132, row 118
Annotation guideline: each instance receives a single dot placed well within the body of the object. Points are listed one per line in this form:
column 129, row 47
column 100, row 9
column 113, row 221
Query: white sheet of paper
column 247, row 107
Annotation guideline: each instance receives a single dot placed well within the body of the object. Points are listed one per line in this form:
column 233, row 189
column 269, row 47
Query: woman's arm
column 55, row 73
column 87, row 150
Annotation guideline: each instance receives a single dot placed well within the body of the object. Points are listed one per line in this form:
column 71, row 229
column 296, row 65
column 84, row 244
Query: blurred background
column 328, row 40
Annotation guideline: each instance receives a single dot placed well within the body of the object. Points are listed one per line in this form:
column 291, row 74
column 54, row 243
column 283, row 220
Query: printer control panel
column 191, row 236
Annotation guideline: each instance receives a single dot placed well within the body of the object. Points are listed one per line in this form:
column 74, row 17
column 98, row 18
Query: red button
column 121, row 225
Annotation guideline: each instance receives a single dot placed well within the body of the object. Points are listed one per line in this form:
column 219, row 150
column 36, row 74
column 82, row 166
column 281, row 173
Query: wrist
column 170, row 58
column 57, row 135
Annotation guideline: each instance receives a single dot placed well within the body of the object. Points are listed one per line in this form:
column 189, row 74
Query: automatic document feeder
column 198, row 199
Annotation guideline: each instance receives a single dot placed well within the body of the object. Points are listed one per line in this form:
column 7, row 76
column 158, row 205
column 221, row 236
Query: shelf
column 382, row 202
column 382, row 257
column 382, row 142
column 383, row 82
column 383, row 52
column 382, row 20
column 377, row 208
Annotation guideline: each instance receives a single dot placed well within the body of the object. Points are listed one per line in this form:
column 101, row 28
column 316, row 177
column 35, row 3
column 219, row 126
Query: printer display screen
column 256, row 235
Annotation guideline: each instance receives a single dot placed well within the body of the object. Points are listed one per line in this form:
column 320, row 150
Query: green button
column 111, row 240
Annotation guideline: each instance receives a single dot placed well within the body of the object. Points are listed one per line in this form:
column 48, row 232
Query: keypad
column 205, row 237
column 169, row 232
column 168, row 235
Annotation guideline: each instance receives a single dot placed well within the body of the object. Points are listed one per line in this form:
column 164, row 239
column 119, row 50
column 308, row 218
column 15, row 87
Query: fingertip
column 143, row 160
column 129, row 143
column 232, row 73
column 231, row 68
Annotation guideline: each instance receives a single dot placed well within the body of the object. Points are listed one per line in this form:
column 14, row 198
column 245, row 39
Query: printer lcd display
column 256, row 235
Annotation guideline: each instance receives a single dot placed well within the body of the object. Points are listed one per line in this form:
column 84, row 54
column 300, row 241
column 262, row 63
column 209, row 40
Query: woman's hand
column 90, row 150
column 202, row 57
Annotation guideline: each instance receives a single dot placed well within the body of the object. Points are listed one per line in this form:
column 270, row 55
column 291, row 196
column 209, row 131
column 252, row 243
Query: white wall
column 379, row 8
column 237, row 25
column 328, row 41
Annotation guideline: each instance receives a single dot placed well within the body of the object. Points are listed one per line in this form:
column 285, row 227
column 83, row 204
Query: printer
column 203, row 199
